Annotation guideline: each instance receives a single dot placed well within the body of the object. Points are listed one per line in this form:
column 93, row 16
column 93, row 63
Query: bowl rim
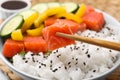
column 116, row 65
column 16, row 10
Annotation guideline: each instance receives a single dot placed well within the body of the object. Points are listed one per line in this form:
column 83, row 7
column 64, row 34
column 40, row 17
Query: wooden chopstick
column 98, row 42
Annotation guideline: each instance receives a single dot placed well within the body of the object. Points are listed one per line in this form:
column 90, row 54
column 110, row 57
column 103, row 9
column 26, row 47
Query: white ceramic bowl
column 26, row 76
column 7, row 12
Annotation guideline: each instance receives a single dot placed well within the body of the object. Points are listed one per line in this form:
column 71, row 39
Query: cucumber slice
column 13, row 24
column 27, row 13
column 70, row 6
column 53, row 4
column 41, row 7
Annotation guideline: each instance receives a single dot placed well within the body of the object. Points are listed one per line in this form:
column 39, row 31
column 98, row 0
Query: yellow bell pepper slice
column 47, row 13
column 36, row 31
column 55, row 10
column 70, row 16
column 29, row 16
column 17, row 35
column 40, row 19
column 81, row 11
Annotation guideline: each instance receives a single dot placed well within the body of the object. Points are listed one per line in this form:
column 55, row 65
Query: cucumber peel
column 13, row 24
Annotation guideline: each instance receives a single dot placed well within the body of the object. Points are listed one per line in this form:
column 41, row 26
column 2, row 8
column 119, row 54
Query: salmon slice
column 35, row 44
column 60, row 25
column 94, row 20
column 12, row 47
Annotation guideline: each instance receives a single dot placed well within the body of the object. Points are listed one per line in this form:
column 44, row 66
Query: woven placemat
column 111, row 7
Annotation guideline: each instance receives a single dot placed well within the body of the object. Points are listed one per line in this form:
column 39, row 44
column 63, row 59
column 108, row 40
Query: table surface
column 111, row 7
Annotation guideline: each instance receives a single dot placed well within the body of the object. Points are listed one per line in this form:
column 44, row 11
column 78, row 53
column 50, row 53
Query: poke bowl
column 30, row 48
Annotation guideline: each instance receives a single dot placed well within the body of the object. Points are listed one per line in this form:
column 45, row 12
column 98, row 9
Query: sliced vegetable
column 22, row 53
column 41, row 7
column 60, row 25
column 94, row 20
column 40, row 19
column 17, row 35
column 81, row 11
column 47, row 13
column 53, row 4
column 70, row 16
column 55, row 10
column 35, row 44
column 12, row 47
column 71, row 6
column 13, row 24
column 36, row 31
column 29, row 16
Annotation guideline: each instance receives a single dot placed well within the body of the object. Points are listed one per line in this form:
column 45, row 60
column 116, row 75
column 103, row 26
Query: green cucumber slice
column 27, row 13
column 41, row 7
column 70, row 6
column 13, row 24
column 53, row 4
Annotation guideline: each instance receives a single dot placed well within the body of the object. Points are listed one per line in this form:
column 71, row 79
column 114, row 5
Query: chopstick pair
column 98, row 42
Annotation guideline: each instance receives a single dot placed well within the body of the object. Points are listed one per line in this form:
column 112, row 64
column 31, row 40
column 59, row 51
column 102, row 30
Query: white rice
column 73, row 62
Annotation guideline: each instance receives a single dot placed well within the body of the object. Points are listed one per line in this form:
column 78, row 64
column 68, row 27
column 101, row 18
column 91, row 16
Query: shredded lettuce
column 22, row 53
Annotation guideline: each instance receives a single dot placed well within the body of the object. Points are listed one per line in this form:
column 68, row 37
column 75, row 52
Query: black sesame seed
column 55, row 70
column 97, row 48
column 76, row 69
column 76, row 59
column 77, row 48
column 28, row 58
column 23, row 58
column 86, row 52
column 73, row 58
column 44, row 65
column 69, row 66
column 83, row 45
column 50, row 65
column 32, row 54
column 94, row 70
column 110, row 50
column 44, row 57
column 58, row 55
column 108, row 28
column 98, row 35
column 88, row 33
column 65, row 67
column 51, row 61
column 39, row 66
column 59, row 67
column 88, row 55
column 71, row 48
column 84, row 63
column 57, row 50
column 33, row 59
column 54, row 52
column 26, row 61
column 76, row 63
column 37, row 61
column 82, row 49
column 69, row 63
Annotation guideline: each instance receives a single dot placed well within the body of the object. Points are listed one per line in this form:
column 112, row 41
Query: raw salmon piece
column 12, row 47
column 94, row 20
column 60, row 25
column 35, row 44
